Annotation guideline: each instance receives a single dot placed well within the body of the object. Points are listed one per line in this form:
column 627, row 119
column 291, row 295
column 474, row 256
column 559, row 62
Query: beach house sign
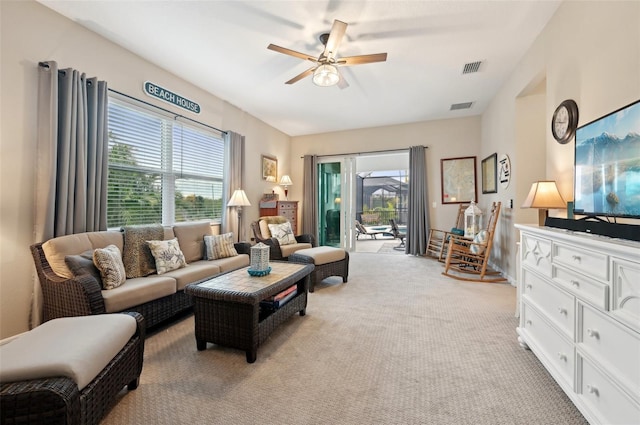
column 168, row 96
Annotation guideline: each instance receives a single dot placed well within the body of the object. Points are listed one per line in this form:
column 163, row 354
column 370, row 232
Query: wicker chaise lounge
column 61, row 399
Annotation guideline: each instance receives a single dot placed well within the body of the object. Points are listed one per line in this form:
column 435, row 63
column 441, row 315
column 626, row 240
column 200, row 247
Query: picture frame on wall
column 489, row 174
column 269, row 168
column 458, row 180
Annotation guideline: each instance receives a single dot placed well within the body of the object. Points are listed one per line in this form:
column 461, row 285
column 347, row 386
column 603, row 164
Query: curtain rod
column 367, row 152
column 166, row 110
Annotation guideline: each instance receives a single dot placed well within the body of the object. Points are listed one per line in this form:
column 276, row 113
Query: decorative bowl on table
column 259, row 273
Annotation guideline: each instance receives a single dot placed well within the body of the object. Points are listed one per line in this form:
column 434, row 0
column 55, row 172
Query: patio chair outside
column 397, row 233
column 361, row 230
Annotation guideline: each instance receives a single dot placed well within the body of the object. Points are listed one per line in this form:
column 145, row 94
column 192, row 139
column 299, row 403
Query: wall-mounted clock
column 565, row 121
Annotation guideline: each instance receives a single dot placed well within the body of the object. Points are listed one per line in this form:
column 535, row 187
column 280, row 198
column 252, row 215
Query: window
column 161, row 170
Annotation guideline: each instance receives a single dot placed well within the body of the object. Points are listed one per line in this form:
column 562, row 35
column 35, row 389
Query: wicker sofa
column 156, row 297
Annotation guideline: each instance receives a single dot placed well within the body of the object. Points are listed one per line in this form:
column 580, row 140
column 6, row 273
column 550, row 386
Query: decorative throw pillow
column 219, row 246
column 167, row 254
column 283, row 233
column 83, row 264
column 480, row 238
column 137, row 258
column 109, row 261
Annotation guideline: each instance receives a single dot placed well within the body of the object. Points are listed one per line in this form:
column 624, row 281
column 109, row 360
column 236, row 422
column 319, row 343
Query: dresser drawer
column 557, row 305
column 557, row 350
column 613, row 345
column 536, row 254
column 594, row 264
column 583, row 287
column 625, row 304
column 603, row 398
column 283, row 205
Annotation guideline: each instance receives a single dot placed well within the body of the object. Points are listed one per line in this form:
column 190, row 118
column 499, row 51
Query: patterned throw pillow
column 219, row 246
column 283, row 233
column 137, row 258
column 167, row 254
column 109, row 261
column 480, row 238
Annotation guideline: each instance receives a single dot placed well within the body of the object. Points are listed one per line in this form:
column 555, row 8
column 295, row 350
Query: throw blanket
column 136, row 256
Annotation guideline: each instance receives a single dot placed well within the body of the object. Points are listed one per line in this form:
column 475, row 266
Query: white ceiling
column 221, row 47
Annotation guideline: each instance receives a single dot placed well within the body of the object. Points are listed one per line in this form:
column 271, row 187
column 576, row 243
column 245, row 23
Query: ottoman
column 70, row 370
column 328, row 261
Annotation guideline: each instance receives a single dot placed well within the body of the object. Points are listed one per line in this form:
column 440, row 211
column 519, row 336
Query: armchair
column 278, row 251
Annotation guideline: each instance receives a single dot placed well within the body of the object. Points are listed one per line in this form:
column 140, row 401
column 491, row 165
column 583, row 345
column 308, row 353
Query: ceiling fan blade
column 301, row 76
column 358, row 60
column 342, row 82
column 291, row 52
column 335, row 37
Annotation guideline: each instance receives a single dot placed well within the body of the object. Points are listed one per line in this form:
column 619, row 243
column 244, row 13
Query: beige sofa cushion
column 194, row 272
column 138, row 291
column 57, row 248
column 75, row 347
column 287, row 250
column 191, row 239
column 232, row 263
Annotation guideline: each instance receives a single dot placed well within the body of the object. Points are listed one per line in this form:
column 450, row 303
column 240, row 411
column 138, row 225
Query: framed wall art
column 269, row 168
column 489, row 175
column 458, row 178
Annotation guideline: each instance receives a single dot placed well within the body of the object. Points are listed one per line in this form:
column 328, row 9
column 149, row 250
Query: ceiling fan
column 325, row 71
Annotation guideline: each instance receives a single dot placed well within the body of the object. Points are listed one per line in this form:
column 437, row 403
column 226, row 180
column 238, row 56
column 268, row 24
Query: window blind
column 161, row 170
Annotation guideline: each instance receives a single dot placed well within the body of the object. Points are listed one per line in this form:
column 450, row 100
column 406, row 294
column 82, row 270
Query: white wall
column 589, row 52
column 31, row 33
column 444, row 138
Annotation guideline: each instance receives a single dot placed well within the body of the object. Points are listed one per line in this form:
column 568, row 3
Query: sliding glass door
column 336, row 201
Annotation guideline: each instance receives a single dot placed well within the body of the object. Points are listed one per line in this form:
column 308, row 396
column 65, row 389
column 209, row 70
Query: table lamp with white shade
column 286, row 182
column 544, row 195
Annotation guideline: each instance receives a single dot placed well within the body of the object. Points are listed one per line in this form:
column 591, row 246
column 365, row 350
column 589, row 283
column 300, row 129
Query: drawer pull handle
column 593, row 390
column 562, row 310
column 575, row 283
column 529, row 322
column 576, row 258
column 562, row 357
column 529, row 286
column 593, row 333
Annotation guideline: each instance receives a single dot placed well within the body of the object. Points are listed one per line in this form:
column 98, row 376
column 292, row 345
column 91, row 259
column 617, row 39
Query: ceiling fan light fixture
column 326, row 75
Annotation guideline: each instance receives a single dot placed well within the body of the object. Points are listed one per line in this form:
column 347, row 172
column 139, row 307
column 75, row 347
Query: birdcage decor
column 259, row 260
column 472, row 221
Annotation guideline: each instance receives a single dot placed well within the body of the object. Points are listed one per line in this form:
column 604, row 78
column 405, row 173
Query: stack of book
column 280, row 299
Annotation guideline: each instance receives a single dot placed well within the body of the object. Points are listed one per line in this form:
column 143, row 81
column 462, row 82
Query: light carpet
column 391, row 248
column 398, row 344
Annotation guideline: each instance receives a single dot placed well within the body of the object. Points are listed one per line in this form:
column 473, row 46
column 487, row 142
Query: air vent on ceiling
column 471, row 67
column 465, row 105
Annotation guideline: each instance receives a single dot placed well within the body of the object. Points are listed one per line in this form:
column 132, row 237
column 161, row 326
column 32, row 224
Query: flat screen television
column 607, row 166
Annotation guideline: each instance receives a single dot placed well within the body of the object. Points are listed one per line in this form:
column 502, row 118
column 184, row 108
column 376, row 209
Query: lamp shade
column 285, row 181
column 326, row 75
column 238, row 199
column 544, row 194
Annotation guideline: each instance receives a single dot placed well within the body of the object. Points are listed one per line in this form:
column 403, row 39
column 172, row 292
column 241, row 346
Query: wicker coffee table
column 227, row 308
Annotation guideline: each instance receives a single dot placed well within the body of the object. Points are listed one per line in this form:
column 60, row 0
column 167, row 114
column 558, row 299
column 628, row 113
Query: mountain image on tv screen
column 607, row 165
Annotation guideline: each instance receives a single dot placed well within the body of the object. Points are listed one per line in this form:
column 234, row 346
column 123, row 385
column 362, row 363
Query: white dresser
column 580, row 315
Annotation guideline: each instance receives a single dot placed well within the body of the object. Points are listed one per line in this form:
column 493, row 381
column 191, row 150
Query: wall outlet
column 434, row 204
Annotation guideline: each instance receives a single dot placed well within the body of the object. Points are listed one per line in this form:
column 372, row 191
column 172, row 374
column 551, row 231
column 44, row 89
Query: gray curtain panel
column 235, row 161
column 418, row 217
column 310, row 196
column 71, row 159
column 72, row 151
